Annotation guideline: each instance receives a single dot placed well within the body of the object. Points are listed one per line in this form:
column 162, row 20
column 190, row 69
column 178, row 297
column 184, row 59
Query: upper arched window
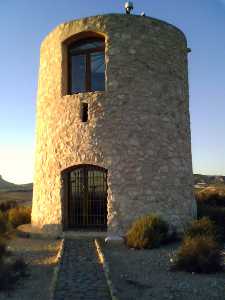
column 87, row 65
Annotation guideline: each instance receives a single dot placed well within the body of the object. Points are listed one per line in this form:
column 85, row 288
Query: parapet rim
column 160, row 22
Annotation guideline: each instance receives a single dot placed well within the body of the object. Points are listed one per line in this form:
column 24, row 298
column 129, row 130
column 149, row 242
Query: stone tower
column 113, row 131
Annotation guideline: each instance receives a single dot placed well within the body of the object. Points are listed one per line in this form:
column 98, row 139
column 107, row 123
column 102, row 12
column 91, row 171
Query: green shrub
column 199, row 254
column 215, row 214
column 19, row 215
column 203, row 226
column 211, row 204
column 147, row 232
column 4, row 206
column 3, row 223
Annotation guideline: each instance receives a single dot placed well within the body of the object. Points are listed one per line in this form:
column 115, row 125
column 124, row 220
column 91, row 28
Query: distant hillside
column 8, row 186
column 208, row 179
column 199, row 179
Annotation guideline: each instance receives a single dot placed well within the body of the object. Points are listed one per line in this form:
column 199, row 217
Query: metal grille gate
column 87, row 197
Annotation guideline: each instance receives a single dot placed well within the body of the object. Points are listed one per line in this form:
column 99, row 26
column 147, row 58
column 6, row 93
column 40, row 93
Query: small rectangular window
column 84, row 112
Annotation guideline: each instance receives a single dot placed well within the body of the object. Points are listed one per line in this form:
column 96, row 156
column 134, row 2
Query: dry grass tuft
column 200, row 254
column 19, row 215
column 147, row 232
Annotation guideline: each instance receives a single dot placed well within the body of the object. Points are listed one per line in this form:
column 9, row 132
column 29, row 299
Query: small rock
column 112, row 239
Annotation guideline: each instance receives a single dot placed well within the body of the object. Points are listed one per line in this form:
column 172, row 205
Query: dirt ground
column 40, row 256
column 145, row 274
column 21, row 197
column 136, row 274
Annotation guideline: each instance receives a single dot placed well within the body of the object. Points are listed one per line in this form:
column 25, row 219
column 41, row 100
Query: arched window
column 87, row 65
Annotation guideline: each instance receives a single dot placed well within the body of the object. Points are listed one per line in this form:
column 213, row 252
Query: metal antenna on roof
column 129, row 7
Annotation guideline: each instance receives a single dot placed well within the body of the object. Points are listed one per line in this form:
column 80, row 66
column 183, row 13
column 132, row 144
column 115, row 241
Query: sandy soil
column 145, row 274
column 40, row 256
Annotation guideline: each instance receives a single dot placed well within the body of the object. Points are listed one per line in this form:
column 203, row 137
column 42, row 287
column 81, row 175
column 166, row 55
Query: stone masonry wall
column 138, row 129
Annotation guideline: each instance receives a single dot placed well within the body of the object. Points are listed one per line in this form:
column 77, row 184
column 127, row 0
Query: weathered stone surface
column 138, row 129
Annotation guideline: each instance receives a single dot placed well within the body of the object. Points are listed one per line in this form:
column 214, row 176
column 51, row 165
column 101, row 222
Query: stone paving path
column 80, row 275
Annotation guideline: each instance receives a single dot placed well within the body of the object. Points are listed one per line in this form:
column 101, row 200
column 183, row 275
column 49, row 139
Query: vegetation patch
column 211, row 195
column 202, row 227
column 4, row 224
column 200, row 250
column 200, row 254
column 147, row 232
column 217, row 215
column 4, row 206
column 19, row 215
column 211, row 204
column 11, row 268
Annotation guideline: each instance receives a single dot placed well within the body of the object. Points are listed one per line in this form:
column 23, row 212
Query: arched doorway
column 85, row 197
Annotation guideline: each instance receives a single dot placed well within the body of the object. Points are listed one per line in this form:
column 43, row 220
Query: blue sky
column 23, row 25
